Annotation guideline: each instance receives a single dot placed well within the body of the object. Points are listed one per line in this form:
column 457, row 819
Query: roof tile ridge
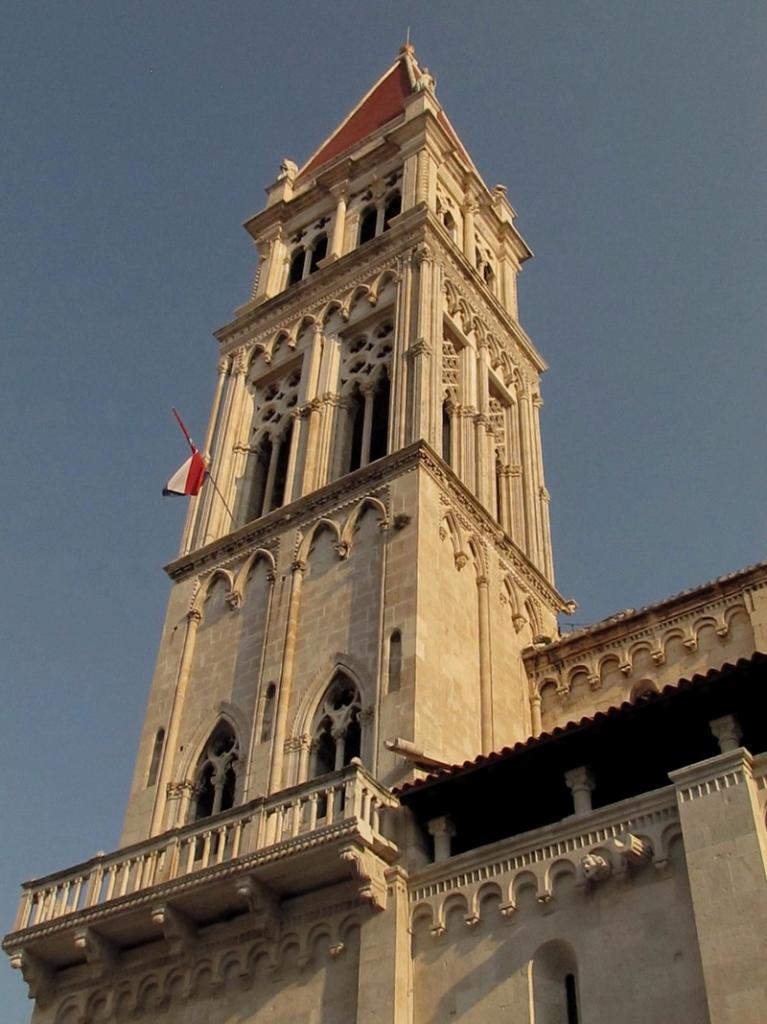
column 339, row 127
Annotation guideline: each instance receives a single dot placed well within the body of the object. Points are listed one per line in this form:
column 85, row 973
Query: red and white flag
column 189, row 478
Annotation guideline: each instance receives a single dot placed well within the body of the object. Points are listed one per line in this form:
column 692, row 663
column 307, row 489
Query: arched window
column 267, row 715
column 392, row 209
column 368, row 222
column 379, row 427
column 395, row 661
column 449, row 221
column 319, row 252
column 281, row 470
column 154, row 764
column 215, row 776
column 447, row 433
column 555, row 984
column 258, row 471
column 488, row 275
column 337, row 732
column 356, row 421
column 296, row 271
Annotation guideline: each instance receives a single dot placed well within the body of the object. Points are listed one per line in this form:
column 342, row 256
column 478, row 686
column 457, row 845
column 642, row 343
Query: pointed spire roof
column 381, row 104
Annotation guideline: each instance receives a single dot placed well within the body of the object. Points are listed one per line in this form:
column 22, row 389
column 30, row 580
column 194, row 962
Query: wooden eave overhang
column 629, row 750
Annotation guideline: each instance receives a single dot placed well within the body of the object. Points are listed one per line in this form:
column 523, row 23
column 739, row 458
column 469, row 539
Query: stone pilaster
column 725, row 848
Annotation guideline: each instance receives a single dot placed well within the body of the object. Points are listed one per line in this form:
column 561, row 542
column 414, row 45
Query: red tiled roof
column 383, row 103
column 570, row 727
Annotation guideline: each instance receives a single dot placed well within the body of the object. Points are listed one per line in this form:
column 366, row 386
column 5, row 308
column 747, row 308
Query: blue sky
column 137, row 138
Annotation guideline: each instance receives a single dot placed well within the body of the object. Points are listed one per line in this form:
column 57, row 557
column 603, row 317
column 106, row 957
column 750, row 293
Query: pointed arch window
column 449, row 221
column 278, row 491
column 337, row 729
column 267, row 715
column 392, row 209
column 368, row 224
column 447, row 432
column 319, row 252
column 154, row 764
column 296, row 271
column 356, row 427
column 379, row 427
column 216, row 773
column 258, row 467
column 395, row 662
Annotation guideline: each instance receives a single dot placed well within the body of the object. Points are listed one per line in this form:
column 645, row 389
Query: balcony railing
column 318, row 809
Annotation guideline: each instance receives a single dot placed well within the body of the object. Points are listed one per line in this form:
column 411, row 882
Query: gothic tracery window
column 265, row 484
column 363, row 433
column 337, row 730
column 216, row 773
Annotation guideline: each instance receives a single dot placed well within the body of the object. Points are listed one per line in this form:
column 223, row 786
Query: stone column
column 547, row 562
column 368, row 393
column 422, row 349
column 469, row 245
column 198, row 504
column 580, row 783
column 223, row 470
column 274, row 270
column 284, row 691
column 725, row 848
column 485, row 666
column 535, row 713
column 193, row 620
column 528, row 476
column 442, row 831
column 335, row 249
column 399, row 427
column 728, row 733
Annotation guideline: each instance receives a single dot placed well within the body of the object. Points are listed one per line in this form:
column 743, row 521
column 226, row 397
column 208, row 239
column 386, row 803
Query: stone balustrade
column 313, row 811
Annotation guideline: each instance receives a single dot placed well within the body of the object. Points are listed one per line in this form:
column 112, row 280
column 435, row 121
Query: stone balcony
column 244, row 860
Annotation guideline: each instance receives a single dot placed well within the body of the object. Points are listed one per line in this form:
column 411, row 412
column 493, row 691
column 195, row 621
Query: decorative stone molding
column 36, row 973
column 98, row 950
column 179, row 931
column 624, row 841
column 263, row 905
column 369, row 871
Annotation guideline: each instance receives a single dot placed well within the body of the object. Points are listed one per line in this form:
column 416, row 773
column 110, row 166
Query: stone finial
column 727, row 731
column 580, row 782
column 288, row 170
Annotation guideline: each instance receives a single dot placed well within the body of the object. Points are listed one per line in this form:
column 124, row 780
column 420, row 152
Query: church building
column 375, row 784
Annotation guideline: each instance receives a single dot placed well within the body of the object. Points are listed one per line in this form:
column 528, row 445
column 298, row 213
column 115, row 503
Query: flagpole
column 218, row 492
column 208, row 473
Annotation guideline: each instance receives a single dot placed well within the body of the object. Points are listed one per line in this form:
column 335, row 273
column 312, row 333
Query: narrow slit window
column 379, row 433
column 281, row 471
column 154, row 764
column 296, row 271
column 368, row 221
column 395, row 661
column 267, row 716
column 571, row 999
column 447, row 431
column 392, row 209
column 319, row 252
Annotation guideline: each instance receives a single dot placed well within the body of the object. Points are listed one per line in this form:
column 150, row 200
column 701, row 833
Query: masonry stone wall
column 634, row 946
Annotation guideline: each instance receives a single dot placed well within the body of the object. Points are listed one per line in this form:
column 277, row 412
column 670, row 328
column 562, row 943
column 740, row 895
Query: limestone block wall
column 479, row 607
column 630, row 945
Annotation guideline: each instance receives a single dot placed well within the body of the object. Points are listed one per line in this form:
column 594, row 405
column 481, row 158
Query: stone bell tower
column 379, row 553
